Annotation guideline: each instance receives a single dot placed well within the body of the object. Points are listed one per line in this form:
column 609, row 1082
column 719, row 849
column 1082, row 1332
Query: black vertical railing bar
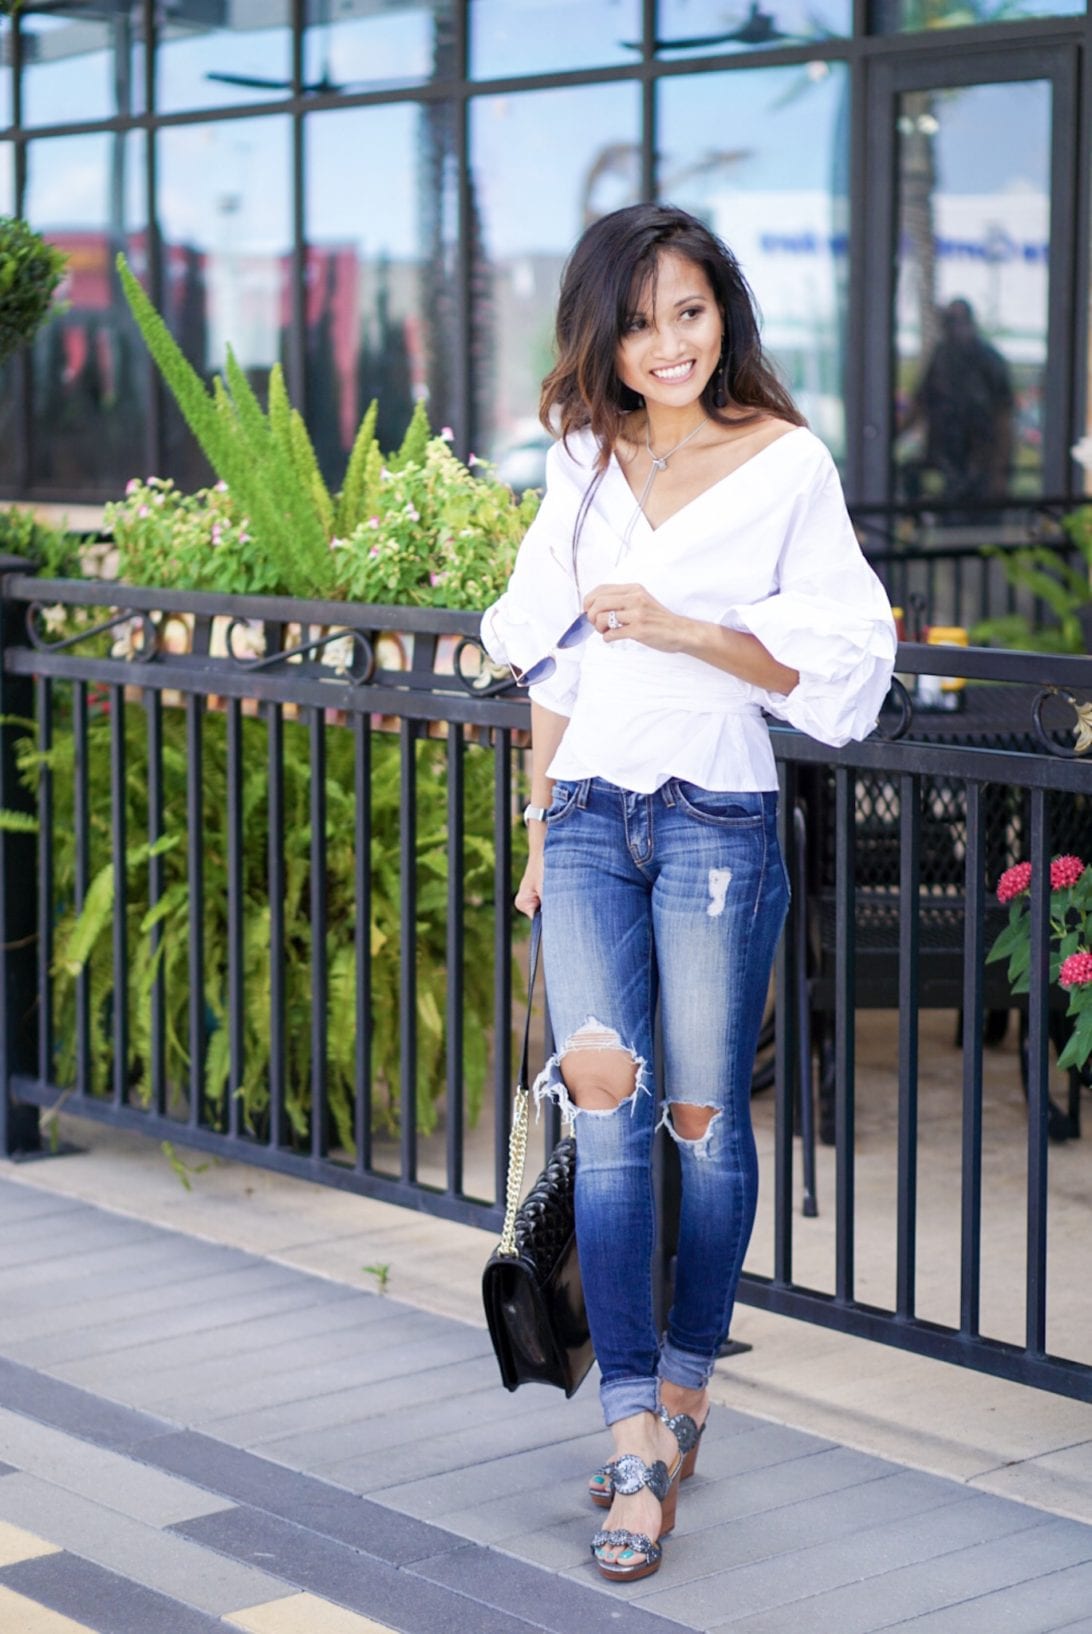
column 407, row 980
column 157, row 997
column 275, row 867
column 119, row 853
column 195, row 872
column 790, row 1069
column 316, row 725
column 455, row 1108
column 82, row 835
column 362, row 864
column 845, row 974
column 974, row 954
column 909, row 939
column 502, row 956
column 43, row 695
column 236, row 1007
column 1038, row 1079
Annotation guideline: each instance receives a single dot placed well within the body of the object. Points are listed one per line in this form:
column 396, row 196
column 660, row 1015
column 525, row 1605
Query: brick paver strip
column 103, row 1600
column 18, row 1615
column 303, row 1614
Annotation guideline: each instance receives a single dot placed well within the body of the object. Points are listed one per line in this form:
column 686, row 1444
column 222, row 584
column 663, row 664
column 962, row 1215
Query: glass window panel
column 380, row 272
column 531, row 197
column 550, row 36
column 8, row 404
column 89, row 371
column 910, row 16
column 775, row 188
column 696, row 27
column 210, row 54
column 82, row 62
column 351, row 45
column 7, row 178
column 5, row 71
column 973, row 182
column 225, row 220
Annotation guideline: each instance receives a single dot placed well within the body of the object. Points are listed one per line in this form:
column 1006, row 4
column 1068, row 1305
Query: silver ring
column 613, row 621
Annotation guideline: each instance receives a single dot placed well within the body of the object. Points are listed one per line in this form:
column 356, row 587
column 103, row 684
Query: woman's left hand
column 637, row 617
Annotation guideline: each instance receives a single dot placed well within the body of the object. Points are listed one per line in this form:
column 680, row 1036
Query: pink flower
column 144, row 511
column 220, row 488
column 216, row 532
column 1014, row 882
column 131, row 486
column 244, row 538
column 472, row 459
column 1076, row 971
column 436, row 578
column 412, row 512
column 374, row 551
column 447, row 435
column 1065, row 871
column 373, row 521
column 337, row 544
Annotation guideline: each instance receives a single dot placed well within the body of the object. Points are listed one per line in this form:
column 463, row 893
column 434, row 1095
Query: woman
column 692, row 564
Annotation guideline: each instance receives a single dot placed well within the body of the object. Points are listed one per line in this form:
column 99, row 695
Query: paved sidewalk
column 194, row 1437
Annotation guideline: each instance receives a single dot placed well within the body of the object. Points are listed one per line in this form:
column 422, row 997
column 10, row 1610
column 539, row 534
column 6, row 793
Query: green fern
column 414, row 443
column 356, row 500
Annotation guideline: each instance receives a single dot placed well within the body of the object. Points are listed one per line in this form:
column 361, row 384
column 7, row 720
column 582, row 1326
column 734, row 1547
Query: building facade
column 380, row 194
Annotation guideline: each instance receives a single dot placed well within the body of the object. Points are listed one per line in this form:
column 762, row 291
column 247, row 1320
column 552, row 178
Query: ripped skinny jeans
column 679, row 894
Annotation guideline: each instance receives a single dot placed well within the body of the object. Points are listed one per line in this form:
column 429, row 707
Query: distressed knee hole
column 690, row 1125
column 592, row 1072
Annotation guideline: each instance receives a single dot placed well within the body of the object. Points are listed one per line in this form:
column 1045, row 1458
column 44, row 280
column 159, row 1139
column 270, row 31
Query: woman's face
column 671, row 344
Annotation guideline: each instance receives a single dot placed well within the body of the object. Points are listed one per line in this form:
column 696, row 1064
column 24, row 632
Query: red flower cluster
column 1014, row 882
column 1076, row 971
column 1065, row 871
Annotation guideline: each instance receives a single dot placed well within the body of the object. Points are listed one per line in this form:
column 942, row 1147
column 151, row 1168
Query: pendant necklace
column 657, row 462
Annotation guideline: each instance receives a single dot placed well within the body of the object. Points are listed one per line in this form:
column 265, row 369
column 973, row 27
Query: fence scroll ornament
column 39, row 617
column 355, row 661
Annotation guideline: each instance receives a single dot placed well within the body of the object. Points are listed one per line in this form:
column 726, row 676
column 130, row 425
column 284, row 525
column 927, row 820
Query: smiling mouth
column 678, row 371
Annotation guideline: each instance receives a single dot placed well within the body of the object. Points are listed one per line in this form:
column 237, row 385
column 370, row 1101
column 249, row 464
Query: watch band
column 534, row 814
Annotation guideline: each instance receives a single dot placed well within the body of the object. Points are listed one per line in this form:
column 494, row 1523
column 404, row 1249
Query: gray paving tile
column 100, row 1474
column 1040, row 1606
column 82, row 1414
column 268, row 1333
column 443, row 1497
column 401, row 1394
column 103, row 1600
column 319, row 1378
column 889, row 1598
column 160, row 1560
column 489, row 1578
column 301, row 1499
column 388, row 1594
column 100, row 1330
column 780, row 1577
column 143, row 1293
column 73, row 1238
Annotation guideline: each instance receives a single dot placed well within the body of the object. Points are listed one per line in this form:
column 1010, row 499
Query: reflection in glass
column 549, row 36
column 9, row 452
column 380, row 276
column 89, row 374
column 909, row 16
column 82, row 62
column 531, row 197
column 225, row 215
column 204, row 62
column 973, row 213
column 696, row 27
column 352, row 45
column 775, row 188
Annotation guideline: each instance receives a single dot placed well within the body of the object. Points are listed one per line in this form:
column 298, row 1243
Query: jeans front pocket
column 727, row 808
column 562, row 801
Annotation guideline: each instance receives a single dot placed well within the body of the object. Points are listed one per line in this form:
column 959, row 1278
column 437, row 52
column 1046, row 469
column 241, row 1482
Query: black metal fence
column 256, row 867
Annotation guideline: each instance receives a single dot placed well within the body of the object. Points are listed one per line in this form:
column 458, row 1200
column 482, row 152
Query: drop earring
column 720, row 390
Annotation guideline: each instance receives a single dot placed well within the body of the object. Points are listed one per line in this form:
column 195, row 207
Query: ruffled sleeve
column 828, row 618
column 541, row 600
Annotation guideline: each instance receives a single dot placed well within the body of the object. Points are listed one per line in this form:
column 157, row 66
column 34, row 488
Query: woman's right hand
column 529, row 895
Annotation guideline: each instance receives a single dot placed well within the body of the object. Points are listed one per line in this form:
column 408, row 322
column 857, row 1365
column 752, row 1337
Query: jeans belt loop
column 668, row 791
column 583, row 790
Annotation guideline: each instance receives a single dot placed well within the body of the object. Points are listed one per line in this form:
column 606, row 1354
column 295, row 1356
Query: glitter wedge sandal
column 686, row 1433
column 640, row 1555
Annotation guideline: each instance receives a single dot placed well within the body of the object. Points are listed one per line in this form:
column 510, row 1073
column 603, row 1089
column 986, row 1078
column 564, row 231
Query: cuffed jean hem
column 684, row 1368
column 622, row 1398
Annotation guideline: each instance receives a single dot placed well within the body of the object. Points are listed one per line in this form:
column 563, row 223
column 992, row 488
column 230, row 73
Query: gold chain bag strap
column 531, row 1289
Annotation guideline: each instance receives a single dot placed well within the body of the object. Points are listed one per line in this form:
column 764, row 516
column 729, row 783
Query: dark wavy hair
column 611, row 270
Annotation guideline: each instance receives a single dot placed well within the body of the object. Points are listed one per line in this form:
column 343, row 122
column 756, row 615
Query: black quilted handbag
column 534, row 1300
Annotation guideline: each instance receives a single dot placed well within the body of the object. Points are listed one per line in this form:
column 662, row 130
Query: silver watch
column 534, row 814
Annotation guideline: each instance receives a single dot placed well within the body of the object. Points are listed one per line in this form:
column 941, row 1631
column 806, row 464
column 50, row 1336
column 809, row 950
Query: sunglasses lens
column 537, row 672
column 579, row 630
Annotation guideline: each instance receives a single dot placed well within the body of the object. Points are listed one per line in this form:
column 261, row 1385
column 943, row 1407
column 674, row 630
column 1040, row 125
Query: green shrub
column 30, row 270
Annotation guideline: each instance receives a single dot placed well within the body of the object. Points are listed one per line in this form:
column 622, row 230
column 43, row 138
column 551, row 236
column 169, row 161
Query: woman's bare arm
column 547, row 730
